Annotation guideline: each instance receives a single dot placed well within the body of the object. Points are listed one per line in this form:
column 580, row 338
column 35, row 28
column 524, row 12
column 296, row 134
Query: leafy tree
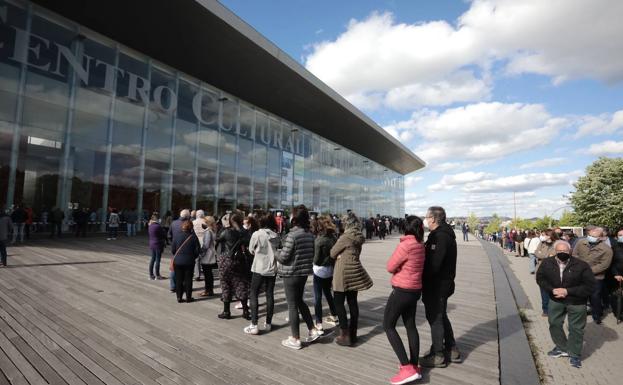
column 569, row 219
column 598, row 198
column 494, row 224
column 522, row 224
column 473, row 222
column 544, row 223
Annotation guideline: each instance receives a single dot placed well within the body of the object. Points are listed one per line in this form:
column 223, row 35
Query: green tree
column 494, row 224
column 473, row 222
column 598, row 196
column 544, row 223
column 568, row 219
column 521, row 224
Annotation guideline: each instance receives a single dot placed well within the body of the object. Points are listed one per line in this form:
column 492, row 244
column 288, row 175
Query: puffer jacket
column 322, row 250
column 407, row 264
column 349, row 274
column 263, row 245
column 297, row 255
column 597, row 255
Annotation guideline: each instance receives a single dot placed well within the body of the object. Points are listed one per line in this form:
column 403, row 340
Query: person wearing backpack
column 113, row 225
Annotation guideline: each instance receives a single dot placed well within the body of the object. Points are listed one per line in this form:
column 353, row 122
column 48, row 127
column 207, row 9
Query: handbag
column 177, row 252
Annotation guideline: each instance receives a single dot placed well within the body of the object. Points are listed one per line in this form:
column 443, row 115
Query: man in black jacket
column 437, row 286
column 569, row 282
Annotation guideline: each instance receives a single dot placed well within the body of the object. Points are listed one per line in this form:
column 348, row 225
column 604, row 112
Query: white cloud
column 608, row 147
column 449, row 181
column 480, row 132
column 600, row 125
column 543, row 163
column 437, row 63
column 522, row 183
column 412, row 181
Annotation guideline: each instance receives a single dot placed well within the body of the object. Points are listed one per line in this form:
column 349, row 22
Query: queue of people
column 574, row 274
column 250, row 254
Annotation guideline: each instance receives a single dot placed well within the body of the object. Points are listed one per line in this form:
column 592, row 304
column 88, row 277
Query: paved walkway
column 84, row 312
column 602, row 353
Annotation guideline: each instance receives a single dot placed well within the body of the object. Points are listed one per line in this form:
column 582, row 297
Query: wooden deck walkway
column 85, row 312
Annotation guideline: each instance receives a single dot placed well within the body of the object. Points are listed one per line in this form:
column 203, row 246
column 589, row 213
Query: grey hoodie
column 263, row 245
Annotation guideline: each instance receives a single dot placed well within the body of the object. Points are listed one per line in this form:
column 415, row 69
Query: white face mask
column 425, row 222
column 246, row 227
column 542, row 238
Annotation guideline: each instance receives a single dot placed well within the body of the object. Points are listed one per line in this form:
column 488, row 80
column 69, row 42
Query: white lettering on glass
column 199, row 101
column 74, row 62
column 158, row 98
column 134, row 88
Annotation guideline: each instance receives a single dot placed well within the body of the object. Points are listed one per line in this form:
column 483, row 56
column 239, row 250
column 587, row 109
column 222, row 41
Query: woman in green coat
column 349, row 277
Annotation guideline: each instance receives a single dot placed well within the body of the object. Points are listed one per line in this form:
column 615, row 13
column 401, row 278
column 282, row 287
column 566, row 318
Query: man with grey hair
column 594, row 251
column 437, row 287
column 176, row 226
column 569, row 282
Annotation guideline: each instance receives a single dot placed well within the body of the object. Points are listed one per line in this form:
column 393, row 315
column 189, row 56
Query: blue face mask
column 592, row 239
column 620, row 239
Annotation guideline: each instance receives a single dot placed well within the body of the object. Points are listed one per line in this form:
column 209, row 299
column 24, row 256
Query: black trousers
column 183, row 280
column 208, row 277
column 436, row 306
column 403, row 304
column 353, row 308
column 257, row 280
column 295, row 288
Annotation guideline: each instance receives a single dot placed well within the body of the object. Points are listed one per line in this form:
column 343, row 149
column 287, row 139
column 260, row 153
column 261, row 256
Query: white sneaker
column 319, row 329
column 267, row 327
column 252, row 329
column 332, row 320
column 312, row 336
column 238, row 305
column 291, row 343
column 108, row 239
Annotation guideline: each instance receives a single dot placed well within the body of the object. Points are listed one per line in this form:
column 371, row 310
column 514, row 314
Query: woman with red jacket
column 406, row 265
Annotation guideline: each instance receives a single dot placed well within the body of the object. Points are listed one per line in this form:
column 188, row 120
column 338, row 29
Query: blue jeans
column 18, row 230
column 595, row 300
column 155, row 260
column 172, row 280
column 532, row 262
column 323, row 285
column 131, row 229
column 544, row 300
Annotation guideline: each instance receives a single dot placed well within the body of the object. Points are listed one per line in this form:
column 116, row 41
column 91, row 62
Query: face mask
column 620, row 239
column 542, row 238
column 246, row 227
column 563, row 257
column 592, row 239
column 426, row 222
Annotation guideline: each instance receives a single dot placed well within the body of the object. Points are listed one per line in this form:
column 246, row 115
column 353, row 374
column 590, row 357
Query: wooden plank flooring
column 84, row 312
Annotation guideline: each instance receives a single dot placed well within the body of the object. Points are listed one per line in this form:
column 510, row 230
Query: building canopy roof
column 204, row 39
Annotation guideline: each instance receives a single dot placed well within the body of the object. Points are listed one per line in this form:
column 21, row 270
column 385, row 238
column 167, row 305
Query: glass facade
column 86, row 122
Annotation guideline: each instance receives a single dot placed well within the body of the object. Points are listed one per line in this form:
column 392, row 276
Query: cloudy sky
column 497, row 96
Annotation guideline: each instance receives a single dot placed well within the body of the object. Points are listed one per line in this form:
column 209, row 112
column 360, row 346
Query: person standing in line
column 569, row 282
column 185, row 248
column 29, row 220
column 519, row 238
column 406, row 266
column 532, row 246
column 199, row 226
column 438, row 286
column 18, row 216
column 6, row 224
column 232, row 263
column 208, row 255
column 545, row 250
column 157, row 238
column 263, row 246
column 295, row 265
column 113, row 225
column 131, row 217
column 166, row 223
column 324, row 229
column 349, row 278
column 465, row 232
column 594, row 251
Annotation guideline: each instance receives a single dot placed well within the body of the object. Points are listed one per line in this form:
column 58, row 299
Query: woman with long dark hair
column 232, row 263
column 406, row 266
column 323, row 268
column 295, row 265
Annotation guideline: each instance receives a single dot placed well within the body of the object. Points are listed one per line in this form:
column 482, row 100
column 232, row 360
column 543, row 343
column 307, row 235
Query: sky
column 506, row 101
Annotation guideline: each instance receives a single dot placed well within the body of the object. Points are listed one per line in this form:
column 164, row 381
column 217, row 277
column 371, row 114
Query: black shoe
column 189, row 300
column 224, row 315
column 246, row 315
column 433, row 360
column 179, row 300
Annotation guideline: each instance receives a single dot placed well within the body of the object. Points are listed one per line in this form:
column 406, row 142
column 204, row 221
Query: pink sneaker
column 406, row 374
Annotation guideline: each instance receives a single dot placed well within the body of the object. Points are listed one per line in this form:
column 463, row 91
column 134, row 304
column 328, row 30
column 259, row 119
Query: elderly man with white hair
column 569, row 282
column 200, row 229
column 598, row 254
